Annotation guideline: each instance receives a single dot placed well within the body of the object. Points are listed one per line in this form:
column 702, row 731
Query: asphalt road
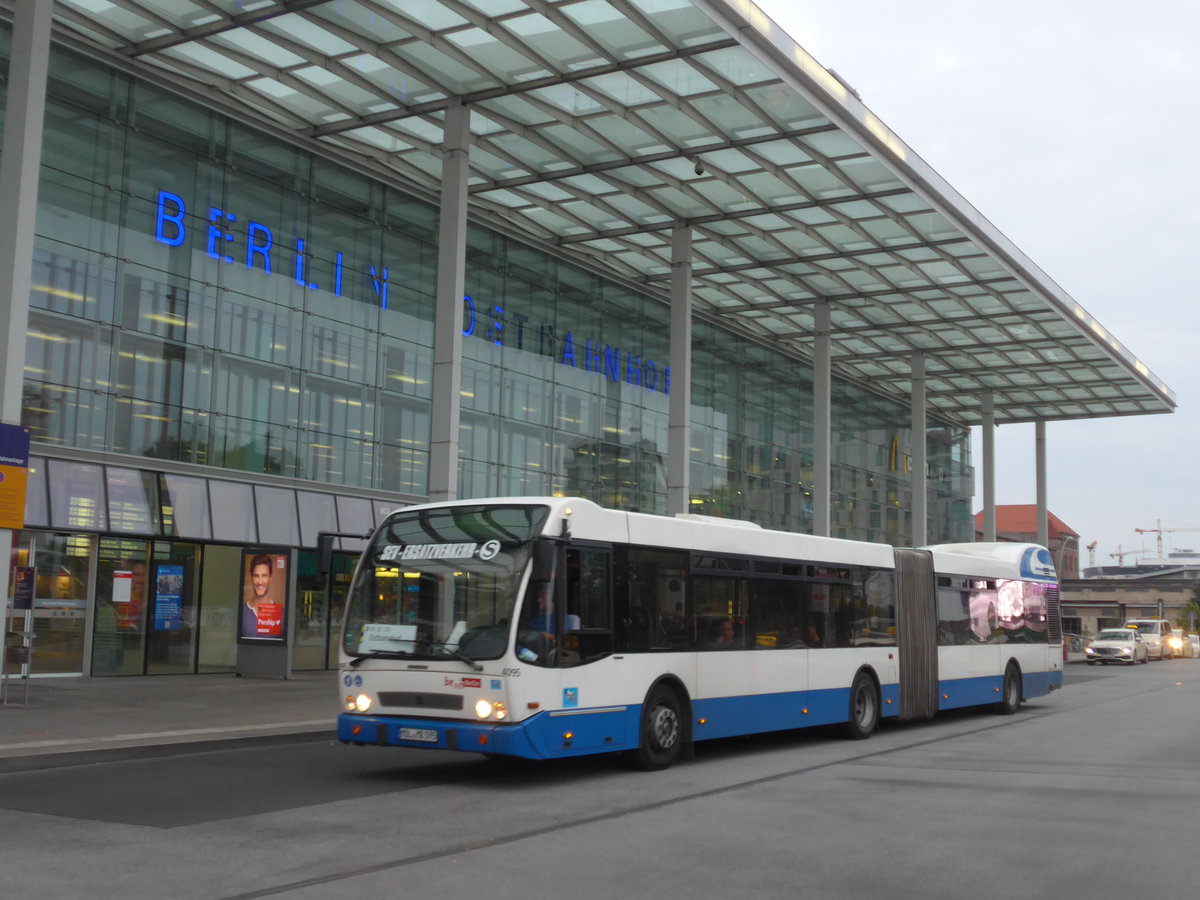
column 1089, row 791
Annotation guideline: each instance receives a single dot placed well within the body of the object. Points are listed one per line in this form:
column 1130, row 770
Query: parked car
column 1123, row 645
column 1155, row 632
column 1194, row 640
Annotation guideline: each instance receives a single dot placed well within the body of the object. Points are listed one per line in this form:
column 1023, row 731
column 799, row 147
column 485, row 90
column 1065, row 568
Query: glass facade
column 204, row 293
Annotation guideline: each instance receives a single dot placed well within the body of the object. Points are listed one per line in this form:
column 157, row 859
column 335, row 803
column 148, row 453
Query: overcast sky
column 1073, row 126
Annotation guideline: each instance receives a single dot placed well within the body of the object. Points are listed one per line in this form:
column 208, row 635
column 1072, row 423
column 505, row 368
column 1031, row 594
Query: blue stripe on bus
column 583, row 732
column 960, row 692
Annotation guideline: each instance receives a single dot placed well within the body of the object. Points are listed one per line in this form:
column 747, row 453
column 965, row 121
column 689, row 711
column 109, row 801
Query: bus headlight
column 362, row 703
column 486, row 709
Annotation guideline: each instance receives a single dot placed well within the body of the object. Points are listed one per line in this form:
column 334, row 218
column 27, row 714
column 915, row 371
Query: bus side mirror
column 545, row 557
column 324, row 552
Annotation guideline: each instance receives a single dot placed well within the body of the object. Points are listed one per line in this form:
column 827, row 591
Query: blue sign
column 168, row 598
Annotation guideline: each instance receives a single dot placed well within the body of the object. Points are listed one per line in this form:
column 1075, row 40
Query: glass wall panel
column 185, row 507
column 355, row 516
column 132, row 501
column 312, row 616
column 233, row 512
column 76, row 495
column 318, row 512
column 277, row 522
column 219, row 609
column 37, row 509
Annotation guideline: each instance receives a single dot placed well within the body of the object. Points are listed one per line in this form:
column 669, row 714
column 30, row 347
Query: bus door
column 916, row 627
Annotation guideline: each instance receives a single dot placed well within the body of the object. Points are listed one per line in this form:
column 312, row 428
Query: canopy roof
column 600, row 125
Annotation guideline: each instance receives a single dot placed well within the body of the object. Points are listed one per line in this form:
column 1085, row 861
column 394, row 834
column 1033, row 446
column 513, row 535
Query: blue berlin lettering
column 259, row 244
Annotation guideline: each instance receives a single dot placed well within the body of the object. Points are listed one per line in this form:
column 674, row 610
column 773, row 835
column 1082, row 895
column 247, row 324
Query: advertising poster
column 264, row 596
column 14, row 475
column 24, row 578
column 168, row 598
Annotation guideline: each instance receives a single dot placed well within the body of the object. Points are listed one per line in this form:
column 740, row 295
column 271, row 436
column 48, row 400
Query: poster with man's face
column 264, row 596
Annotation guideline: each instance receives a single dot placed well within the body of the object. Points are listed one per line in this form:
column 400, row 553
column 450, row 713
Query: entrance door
column 119, row 625
column 63, row 567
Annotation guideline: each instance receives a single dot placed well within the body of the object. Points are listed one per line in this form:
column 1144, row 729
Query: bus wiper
column 459, row 655
column 378, row 654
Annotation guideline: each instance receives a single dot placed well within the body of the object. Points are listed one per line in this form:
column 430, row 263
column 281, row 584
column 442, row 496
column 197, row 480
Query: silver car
column 1123, row 645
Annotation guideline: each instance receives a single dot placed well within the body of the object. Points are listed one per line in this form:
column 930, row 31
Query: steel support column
column 988, row 427
column 679, row 430
column 448, row 330
column 1043, row 523
column 20, row 167
column 822, row 421
column 917, row 474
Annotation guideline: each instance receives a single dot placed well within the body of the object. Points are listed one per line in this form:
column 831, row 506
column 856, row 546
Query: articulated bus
column 550, row 627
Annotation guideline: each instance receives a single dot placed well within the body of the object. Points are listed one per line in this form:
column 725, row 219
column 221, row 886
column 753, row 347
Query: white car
column 1194, row 639
column 1181, row 645
column 1123, row 645
column 1155, row 632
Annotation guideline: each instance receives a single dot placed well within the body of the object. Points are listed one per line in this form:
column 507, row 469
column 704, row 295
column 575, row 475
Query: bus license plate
column 425, row 735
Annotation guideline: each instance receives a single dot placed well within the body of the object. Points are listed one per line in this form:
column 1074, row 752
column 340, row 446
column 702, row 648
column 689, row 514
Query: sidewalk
column 73, row 715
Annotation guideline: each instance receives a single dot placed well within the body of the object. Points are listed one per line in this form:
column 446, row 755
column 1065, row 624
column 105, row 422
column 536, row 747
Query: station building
column 280, row 268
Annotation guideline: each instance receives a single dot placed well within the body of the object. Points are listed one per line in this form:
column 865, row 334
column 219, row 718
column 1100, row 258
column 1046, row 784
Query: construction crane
column 1091, row 549
column 1160, row 530
column 1120, row 555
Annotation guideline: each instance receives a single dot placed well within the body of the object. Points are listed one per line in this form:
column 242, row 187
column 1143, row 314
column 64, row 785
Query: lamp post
column 1062, row 549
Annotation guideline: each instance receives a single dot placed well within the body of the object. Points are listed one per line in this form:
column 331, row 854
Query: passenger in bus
column 724, row 636
column 674, row 623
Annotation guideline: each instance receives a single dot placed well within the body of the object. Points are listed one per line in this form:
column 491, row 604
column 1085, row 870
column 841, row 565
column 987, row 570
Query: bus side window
column 587, row 620
column 652, row 613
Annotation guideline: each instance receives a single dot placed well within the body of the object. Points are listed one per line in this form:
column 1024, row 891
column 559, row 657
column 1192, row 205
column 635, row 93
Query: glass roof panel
column 382, row 22
column 305, row 31
column 217, row 63
column 622, row 88
column 258, row 47
column 739, row 66
column 608, row 27
column 492, row 8
column 679, row 77
column 447, row 74
column 135, row 25
column 678, row 18
column 820, row 182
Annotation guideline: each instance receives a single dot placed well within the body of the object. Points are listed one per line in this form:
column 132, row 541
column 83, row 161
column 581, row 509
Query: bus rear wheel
column 662, row 730
column 864, row 708
column 1010, row 695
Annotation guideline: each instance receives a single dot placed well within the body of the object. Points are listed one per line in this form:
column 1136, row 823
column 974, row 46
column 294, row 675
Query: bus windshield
column 441, row 582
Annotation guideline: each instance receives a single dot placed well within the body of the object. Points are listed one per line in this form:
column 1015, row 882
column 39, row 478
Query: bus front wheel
column 864, row 707
column 662, row 730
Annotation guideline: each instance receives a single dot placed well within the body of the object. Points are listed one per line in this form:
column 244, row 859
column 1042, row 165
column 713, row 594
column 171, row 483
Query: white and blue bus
column 545, row 627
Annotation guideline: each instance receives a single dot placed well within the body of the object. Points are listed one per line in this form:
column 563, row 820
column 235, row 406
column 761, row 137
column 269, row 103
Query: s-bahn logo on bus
column 467, row 550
